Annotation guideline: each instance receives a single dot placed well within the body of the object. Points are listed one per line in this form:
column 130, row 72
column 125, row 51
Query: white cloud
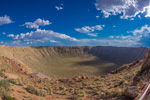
column 144, row 30
column 11, row 35
column 37, row 23
column 53, row 41
column 3, row 33
column 85, row 29
column 18, row 42
column 135, row 38
column 108, row 42
column 139, row 16
column 106, row 14
column 99, row 27
column 127, row 37
column 89, row 30
column 129, row 8
column 114, row 26
column 142, row 34
column 59, row 8
column 15, row 43
column 29, row 43
column 131, row 18
column 148, row 11
column 43, row 35
column 5, row 20
column 38, row 40
column 16, row 36
column 92, row 34
column 97, row 17
column 54, row 37
column 111, row 37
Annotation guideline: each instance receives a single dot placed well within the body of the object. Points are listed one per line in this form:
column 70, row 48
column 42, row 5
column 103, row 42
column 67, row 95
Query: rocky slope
column 146, row 64
column 142, row 79
column 146, row 68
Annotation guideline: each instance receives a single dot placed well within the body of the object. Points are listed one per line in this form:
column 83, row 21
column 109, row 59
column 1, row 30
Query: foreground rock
column 131, row 92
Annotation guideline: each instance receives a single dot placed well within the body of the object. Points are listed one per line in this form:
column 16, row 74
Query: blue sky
column 123, row 23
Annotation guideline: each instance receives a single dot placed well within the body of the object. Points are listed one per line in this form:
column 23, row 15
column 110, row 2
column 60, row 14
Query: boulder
column 131, row 92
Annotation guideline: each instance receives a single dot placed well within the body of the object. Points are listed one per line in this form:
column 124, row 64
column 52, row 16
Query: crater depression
column 67, row 62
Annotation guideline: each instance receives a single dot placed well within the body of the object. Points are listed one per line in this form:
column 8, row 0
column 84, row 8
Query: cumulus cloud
column 11, row 35
column 54, row 37
column 43, row 35
column 144, row 34
column 89, row 30
column 144, row 30
column 5, row 20
column 137, row 37
column 148, row 10
column 37, row 23
column 134, row 38
column 128, row 8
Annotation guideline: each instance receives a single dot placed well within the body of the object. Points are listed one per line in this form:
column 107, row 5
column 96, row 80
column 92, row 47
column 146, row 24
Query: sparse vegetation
column 4, row 90
column 5, row 84
column 8, row 98
column 32, row 90
column 1, row 73
column 12, row 81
